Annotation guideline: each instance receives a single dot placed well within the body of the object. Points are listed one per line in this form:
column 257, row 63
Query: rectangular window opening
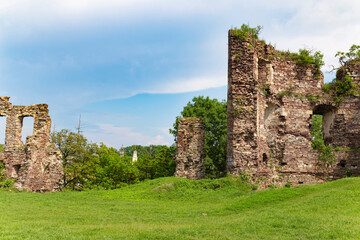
column 2, row 132
column 27, row 128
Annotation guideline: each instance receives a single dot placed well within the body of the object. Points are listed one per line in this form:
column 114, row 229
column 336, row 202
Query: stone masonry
column 190, row 149
column 270, row 107
column 36, row 165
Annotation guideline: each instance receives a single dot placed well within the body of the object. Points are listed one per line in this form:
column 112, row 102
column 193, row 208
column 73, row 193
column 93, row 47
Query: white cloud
column 116, row 136
column 189, row 84
column 158, row 140
column 329, row 26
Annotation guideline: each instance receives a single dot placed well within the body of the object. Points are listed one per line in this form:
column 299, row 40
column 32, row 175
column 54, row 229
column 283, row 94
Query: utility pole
column 79, row 126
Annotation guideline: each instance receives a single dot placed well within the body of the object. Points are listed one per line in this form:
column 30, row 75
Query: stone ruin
column 190, row 148
column 271, row 101
column 270, row 105
column 36, row 165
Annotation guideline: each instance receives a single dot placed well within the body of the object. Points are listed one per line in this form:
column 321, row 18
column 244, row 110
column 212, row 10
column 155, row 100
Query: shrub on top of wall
column 245, row 31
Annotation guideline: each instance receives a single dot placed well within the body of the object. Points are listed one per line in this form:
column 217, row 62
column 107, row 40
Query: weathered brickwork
column 36, row 165
column 270, row 108
column 190, row 149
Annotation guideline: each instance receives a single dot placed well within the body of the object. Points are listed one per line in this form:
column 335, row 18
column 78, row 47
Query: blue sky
column 128, row 67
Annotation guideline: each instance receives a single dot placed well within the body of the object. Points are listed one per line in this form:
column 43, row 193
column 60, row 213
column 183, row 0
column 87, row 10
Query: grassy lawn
column 173, row 208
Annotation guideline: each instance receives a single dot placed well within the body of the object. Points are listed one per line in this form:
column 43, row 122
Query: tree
column 113, row 171
column 165, row 164
column 213, row 113
column 92, row 166
column 79, row 158
column 160, row 164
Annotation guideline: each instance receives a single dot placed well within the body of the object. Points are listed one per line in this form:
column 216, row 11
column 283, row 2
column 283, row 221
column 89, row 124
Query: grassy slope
column 186, row 210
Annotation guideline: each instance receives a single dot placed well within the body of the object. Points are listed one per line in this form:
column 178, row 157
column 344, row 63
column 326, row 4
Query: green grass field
column 174, row 208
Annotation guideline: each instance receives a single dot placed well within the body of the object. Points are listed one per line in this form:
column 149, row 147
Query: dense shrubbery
column 92, row 166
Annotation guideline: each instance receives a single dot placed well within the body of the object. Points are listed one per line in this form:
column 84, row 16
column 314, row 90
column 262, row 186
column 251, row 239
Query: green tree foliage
column 92, row 166
column 213, row 113
column 352, row 55
column 317, row 132
column 143, row 151
column 113, row 171
column 79, row 158
column 159, row 164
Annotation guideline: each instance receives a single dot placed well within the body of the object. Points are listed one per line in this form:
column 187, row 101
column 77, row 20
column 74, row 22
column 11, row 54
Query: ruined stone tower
column 271, row 100
column 190, row 149
column 36, row 165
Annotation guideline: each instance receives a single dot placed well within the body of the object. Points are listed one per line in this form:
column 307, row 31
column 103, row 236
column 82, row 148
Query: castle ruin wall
column 36, row 165
column 270, row 107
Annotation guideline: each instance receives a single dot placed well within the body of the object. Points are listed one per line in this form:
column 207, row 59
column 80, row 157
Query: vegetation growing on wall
column 308, row 57
column 339, row 89
column 343, row 85
column 305, row 57
column 245, row 32
column 352, row 55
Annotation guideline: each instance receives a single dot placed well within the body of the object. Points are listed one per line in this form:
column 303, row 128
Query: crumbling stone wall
column 270, row 106
column 36, row 165
column 190, row 148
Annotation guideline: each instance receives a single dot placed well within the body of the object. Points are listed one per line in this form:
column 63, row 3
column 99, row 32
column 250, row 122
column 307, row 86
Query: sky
column 128, row 67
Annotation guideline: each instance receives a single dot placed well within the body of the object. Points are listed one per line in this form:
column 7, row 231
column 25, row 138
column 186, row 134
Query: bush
column 341, row 88
column 305, row 57
column 349, row 173
column 245, row 31
column 4, row 182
